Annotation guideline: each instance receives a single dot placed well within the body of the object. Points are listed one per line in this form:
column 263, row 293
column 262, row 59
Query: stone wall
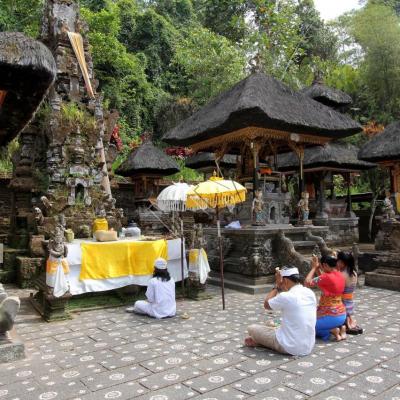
column 5, row 208
column 342, row 231
column 125, row 197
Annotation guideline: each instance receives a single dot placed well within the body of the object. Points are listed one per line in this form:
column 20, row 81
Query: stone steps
column 386, row 279
column 241, row 283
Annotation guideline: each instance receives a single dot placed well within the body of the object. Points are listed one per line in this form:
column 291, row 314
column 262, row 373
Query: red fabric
column 331, row 283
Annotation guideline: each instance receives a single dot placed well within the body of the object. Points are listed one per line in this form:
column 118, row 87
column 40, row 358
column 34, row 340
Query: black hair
column 162, row 274
column 329, row 260
column 348, row 260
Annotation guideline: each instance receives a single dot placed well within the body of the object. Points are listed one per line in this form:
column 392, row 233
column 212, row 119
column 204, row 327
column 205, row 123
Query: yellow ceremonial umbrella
column 216, row 193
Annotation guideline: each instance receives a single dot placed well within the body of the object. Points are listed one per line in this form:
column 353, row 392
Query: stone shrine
column 61, row 166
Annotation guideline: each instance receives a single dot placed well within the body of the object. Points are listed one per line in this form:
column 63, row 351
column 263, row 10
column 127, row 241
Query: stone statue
column 46, row 202
column 57, row 247
column 39, row 219
column 257, row 209
column 198, row 240
column 302, row 207
column 57, row 268
column 9, row 306
column 388, row 208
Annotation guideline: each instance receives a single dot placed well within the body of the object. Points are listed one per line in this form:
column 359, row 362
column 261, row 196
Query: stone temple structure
column 258, row 119
column 61, row 166
column 382, row 266
column 27, row 69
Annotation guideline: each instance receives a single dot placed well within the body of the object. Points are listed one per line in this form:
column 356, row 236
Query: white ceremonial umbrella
column 173, row 197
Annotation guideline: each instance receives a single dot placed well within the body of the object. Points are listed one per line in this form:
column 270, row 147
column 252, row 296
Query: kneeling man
column 160, row 294
column 296, row 335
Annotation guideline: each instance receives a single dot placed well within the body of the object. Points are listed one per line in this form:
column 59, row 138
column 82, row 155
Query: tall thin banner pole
column 221, row 259
column 182, row 259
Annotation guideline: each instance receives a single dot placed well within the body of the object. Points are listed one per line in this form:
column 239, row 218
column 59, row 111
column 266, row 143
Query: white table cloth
column 77, row 286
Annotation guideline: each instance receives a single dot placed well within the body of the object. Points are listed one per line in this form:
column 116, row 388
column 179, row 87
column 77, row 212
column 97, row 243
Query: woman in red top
column 331, row 312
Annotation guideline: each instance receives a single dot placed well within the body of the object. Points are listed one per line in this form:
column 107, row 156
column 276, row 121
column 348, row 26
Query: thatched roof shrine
column 27, row 69
column 202, row 160
column 333, row 156
column 383, row 147
column 331, row 97
column 260, row 106
column 147, row 159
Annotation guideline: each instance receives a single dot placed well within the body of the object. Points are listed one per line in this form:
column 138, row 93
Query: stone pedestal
column 383, row 269
column 28, row 270
column 11, row 349
column 388, row 237
column 49, row 307
column 342, row 231
column 251, row 254
column 308, row 222
column 8, row 273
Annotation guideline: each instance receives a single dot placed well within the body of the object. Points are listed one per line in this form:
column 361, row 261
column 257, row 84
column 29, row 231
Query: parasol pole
column 221, row 259
column 182, row 260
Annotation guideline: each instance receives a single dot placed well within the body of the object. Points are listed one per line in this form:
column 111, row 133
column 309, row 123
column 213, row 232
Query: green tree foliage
column 21, row 16
column 159, row 60
column 377, row 29
column 121, row 74
column 210, row 62
column 155, row 37
column 225, row 17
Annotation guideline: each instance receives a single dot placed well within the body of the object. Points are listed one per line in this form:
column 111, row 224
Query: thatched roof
column 383, row 147
column 334, row 155
column 148, row 159
column 261, row 101
column 202, row 160
column 27, row 69
column 331, row 97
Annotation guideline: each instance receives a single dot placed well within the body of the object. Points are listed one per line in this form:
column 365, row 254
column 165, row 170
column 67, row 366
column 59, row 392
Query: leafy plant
column 72, row 115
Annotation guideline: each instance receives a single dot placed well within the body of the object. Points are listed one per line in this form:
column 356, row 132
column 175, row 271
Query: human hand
column 278, row 278
column 314, row 262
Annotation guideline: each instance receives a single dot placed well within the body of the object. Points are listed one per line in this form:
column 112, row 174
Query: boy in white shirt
column 296, row 335
column 160, row 294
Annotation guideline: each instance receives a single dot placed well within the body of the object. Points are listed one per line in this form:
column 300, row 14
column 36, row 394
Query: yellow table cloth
column 116, row 259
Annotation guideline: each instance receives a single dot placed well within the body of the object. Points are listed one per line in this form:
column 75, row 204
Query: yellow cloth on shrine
column 100, row 224
column 117, row 259
column 398, row 202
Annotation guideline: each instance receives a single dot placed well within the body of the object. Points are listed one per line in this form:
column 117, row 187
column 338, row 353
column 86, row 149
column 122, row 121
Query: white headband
column 289, row 272
column 160, row 263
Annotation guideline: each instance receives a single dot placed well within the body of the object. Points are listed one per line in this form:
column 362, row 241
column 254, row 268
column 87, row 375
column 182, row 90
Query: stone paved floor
column 108, row 354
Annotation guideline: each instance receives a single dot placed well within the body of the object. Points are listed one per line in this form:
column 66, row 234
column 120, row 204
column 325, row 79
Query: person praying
column 298, row 305
column 331, row 312
column 160, row 294
column 346, row 265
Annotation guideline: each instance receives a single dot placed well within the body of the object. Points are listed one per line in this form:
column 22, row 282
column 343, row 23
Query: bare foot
column 249, row 342
column 336, row 332
column 343, row 332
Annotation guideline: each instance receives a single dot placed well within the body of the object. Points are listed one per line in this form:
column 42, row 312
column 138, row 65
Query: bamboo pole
column 182, row 259
column 221, row 259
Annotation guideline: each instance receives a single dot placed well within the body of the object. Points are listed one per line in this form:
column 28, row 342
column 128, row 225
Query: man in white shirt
column 298, row 305
column 160, row 294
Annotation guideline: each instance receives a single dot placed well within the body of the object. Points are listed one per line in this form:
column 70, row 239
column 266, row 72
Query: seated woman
column 331, row 312
column 160, row 294
column 345, row 264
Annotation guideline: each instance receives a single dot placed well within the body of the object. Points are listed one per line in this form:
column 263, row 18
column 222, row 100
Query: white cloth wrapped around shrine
column 78, row 286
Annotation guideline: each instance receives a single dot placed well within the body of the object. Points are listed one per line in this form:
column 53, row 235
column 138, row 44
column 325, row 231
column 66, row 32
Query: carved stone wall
column 388, row 237
column 342, row 231
column 60, row 153
column 255, row 252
